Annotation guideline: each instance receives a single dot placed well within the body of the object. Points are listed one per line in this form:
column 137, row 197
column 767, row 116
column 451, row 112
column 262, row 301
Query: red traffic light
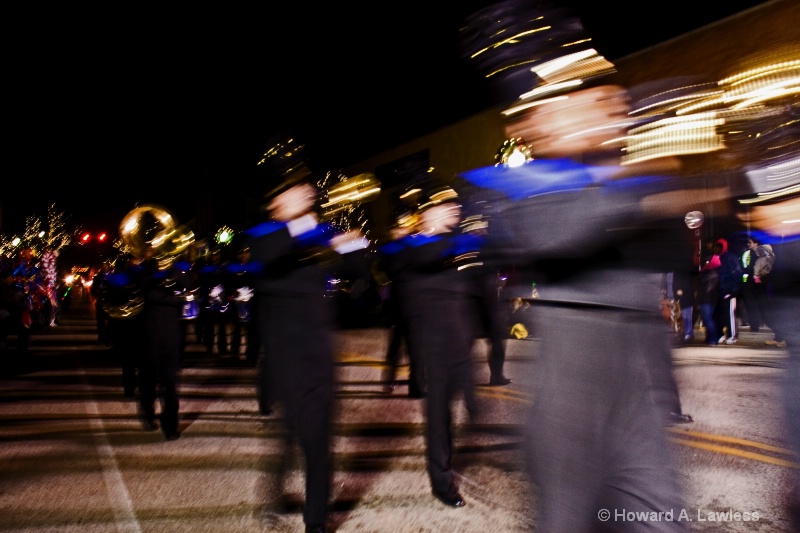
column 100, row 237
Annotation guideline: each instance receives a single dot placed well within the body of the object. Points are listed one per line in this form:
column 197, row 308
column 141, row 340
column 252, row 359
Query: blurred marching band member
column 160, row 367
column 126, row 326
column 213, row 315
column 441, row 325
column 595, row 430
column 297, row 253
column 393, row 259
column 239, row 283
column 603, row 375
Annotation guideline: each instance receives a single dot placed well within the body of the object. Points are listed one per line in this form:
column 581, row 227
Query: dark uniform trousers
column 128, row 343
column 295, row 369
column 594, row 434
column 442, row 329
column 493, row 315
column 297, row 365
column 160, row 365
column 438, row 330
column 402, row 304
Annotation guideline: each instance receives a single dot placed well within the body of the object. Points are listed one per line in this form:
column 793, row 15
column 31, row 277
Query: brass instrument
column 152, row 230
column 148, row 232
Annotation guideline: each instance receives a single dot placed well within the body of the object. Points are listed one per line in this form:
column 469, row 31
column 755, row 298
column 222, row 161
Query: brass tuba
column 151, row 229
column 147, row 232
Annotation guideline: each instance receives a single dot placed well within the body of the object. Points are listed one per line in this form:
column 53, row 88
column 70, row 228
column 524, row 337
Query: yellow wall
column 711, row 52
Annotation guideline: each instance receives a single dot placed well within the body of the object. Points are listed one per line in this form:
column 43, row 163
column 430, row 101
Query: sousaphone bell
column 148, row 232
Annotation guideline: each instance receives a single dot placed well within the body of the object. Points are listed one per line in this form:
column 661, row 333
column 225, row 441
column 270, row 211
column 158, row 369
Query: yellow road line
column 734, row 451
column 730, row 440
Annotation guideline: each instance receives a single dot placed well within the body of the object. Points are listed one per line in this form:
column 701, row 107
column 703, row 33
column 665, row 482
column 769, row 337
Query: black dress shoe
column 499, row 382
column 679, row 418
column 172, row 435
column 317, row 528
column 149, row 424
column 454, row 500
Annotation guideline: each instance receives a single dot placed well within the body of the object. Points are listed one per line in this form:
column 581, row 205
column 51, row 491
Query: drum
column 242, row 299
column 243, row 311
column 191, row 306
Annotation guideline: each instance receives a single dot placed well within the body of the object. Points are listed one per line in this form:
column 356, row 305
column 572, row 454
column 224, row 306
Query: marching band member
column 297, row 253
column 441, row 325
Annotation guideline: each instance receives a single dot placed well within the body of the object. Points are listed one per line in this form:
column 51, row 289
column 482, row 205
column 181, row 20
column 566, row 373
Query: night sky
column 114, row 105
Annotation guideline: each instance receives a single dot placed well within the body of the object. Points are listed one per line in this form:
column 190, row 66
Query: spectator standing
column 708, row 296
column 765, row 259
column 753, row 294
column 730, row 285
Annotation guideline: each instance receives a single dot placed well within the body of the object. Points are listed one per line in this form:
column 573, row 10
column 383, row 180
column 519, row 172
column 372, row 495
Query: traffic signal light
column 88, row 237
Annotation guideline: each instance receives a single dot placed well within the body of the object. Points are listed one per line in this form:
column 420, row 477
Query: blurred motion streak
column 753, row 113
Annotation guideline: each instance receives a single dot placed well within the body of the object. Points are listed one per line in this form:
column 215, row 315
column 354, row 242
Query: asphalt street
column 75, row 458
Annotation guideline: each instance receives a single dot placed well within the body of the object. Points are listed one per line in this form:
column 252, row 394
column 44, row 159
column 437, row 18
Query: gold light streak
column 549, row 88
column 772, row 195
column 512, row 66
column 673, row 103
column 764, row 95
column 555, row 65
column 578, row 65
column 741, row 101
column 759, row 71
column 753, row 86
column 511, row 40
column 528, row 105
column 694, row 134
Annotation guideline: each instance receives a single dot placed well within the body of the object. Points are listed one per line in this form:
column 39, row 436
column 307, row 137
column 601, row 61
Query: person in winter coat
column 730, row 285
column 708, row 295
